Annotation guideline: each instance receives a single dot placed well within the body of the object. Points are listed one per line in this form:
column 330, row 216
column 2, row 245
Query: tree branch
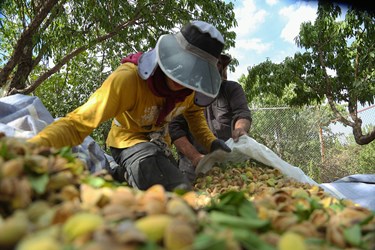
column 71, row 55
column 329, row 95
column 22, row 41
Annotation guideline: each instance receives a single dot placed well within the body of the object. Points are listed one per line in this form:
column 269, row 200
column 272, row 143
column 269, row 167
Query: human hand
column 237, row 133
column 219, row 144
column 197, row 159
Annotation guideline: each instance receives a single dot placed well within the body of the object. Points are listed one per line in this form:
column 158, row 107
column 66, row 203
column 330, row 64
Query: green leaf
column 244, row 177
column 250, row 240
column 232, row 198
column 67, row 153
column 94, row 181
column 367, row 219
column 271, row 182
column 247, row 210
column 315, row 204
column 353, row 235
column 228, row 202
column 302, row 212
column 39, row 182
column 237, row 222
column 208, row 242
column 337, row 207
column 4, row 152
column 179, row 191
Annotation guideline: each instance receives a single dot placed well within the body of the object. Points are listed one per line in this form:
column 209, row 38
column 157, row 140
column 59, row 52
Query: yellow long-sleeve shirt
column 127, row 98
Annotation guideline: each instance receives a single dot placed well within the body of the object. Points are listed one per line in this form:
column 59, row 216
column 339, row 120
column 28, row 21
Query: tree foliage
column 348, row 158
column 337, row 66
column 62, row 50
column 298, row 135
column 39, row 38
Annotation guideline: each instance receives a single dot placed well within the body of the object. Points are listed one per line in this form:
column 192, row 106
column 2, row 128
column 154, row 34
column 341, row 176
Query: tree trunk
column 23, row 41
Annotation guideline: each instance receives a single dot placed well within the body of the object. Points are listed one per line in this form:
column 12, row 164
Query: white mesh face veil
column 189, row 58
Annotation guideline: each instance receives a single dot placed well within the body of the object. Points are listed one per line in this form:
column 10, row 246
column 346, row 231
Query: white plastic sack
column 247, row 148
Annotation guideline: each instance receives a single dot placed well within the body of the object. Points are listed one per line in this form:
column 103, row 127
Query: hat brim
column 202, row 100
column 225, row 60
column 188, row 69
column 147, row 64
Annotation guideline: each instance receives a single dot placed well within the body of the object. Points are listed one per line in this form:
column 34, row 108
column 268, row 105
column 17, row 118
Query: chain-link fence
column 305, row 137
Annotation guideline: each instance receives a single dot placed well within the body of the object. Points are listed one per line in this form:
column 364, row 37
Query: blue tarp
column 359, row 188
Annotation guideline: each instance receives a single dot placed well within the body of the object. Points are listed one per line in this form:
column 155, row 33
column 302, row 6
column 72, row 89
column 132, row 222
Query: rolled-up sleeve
column 238, row 103
column 178, row 128
column 199, row 128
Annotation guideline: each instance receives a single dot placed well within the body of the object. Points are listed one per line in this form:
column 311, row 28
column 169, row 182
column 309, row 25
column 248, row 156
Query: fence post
column 321, row 139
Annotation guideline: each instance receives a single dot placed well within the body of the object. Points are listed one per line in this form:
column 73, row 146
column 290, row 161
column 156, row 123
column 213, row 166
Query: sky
column 266, row 29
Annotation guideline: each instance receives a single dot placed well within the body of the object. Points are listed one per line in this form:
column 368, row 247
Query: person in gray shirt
column 228, row 116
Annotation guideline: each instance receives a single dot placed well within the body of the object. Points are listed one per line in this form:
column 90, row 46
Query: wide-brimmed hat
column 189, row 58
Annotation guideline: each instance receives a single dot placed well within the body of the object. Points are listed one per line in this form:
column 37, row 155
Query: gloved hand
column 219, row 144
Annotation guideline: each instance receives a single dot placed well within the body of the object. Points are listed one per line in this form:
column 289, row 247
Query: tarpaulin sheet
column 24, row 116
column 358, row 188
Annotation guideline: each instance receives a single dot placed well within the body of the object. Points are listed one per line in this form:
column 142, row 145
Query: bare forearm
column 241, row 127
column 186, row 148
column 243, row 124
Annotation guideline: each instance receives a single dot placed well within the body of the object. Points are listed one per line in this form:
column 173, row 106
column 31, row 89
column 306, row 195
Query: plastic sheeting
column 358, row 188
column 24, row 116
column 247, row 148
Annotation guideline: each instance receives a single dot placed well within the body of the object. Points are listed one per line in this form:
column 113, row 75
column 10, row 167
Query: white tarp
column 24, row 116
column 358, row 188
column 248, row 148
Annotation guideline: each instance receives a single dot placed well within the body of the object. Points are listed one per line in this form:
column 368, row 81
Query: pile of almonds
column 48, row 200
column 322, row 221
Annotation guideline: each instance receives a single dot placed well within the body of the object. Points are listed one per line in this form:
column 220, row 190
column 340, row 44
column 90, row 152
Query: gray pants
column 145, row 164
column 186, row 167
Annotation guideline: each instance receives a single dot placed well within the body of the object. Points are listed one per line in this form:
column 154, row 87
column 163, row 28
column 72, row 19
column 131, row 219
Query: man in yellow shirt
column 179, row 76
